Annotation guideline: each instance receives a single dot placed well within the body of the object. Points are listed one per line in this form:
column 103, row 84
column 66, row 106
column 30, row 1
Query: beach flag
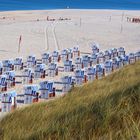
column 20, row 39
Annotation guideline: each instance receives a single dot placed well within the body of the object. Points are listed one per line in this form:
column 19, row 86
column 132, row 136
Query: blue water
column 6, row 5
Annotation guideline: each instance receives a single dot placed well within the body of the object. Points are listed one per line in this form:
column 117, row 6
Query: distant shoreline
column 35, row 10
column 50, row 9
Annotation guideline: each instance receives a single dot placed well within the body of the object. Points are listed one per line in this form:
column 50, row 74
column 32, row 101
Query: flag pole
column 19, row 43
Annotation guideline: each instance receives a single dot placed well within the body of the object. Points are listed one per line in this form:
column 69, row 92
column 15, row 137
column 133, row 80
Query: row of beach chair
column 78, row 67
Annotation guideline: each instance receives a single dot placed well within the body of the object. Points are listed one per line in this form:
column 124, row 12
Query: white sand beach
column 107, row 27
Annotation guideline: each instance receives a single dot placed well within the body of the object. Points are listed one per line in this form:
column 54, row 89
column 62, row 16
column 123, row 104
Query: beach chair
column 108, row 67
column 131, row 58
column 8, row 101
column 30, row 94
column 114, row 64
column 125, row 59
column 8, row 65
column 80, row 77
column 70, row 53
column 67, row 83
column 93, row 59
column 68, row 67
column 10, row 78
column 120, row 62
column 91, row 73
column 31, row 61
column 107, row 55
column 78, row 63
column 114, row 53
column 94, row 48
column 100, row 58
column 55, row 57
column 47, row 89
column 86, row 61
column 3, row 83
column 137, row 56
column 121, row 51
column 100, row 72
column 117, row 63
column 28, row 75
column 40, row 71
column 18, row 64
column 64, row 55
column 52, row 70
column 76, row 51
column 46, row 59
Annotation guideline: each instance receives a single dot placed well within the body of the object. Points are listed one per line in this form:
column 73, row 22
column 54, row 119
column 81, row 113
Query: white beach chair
column 31, row 94
column 40, row 71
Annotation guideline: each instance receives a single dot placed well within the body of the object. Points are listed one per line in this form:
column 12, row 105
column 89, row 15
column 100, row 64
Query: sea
column 7, row 5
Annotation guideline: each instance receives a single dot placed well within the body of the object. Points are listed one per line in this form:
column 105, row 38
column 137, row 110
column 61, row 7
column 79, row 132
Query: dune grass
column 107, row 109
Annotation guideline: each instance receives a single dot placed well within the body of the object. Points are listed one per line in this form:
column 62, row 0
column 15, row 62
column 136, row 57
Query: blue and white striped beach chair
column 46, row 59
column 31, row 94
column 40, row 71
column 52, row 70
column 31, row 61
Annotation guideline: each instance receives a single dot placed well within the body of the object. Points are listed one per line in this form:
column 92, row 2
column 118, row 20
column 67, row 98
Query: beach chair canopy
column 18, row 61
column 28, row 71
column 99, row 67
column 85, row 58
column 10, row 73
column 68, row 63
column 113, row 50
column 43, row 85
column 108, row 64
column 79, row 73
column 46, row 85
column 66, row 79
column 121, row 49
column 76, row 48
column 137, row 54
column 8, row 63
column 91, row 71
column 64, row 52
column 52, row 66
column 100, row 55
column 31, row 89
column 70, row 50
column 3, row 80
column 31, row 58
column 94, row 56
column 6, row 98
column 40, row 67
column 45, row 56
column 78, row 60
column 131, row 55
column 95, row 47
column 107, row 53
column 55, row 54
column 126, row 58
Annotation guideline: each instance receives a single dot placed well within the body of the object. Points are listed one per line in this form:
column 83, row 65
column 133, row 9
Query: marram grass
column 107, row 109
